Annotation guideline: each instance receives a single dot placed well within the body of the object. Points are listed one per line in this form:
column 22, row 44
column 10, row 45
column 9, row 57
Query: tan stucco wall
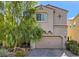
column 46, row 25
column 60, row 30
column 53, row 21
column 54, row 24
column 62, row 20
column 73, row 32
column 59, row 24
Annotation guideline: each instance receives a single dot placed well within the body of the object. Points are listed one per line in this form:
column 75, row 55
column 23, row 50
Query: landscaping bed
column 18, row 52
column 73, row 46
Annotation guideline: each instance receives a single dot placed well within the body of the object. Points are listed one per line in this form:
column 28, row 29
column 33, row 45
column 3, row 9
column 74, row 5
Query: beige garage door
column 50, row 42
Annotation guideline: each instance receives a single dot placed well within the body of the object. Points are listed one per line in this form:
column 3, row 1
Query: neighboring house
column 53, row 20
column 73, row 29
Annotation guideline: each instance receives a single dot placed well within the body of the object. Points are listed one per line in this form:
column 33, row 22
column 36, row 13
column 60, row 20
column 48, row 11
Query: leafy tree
column 1, row 22
column 20, row 24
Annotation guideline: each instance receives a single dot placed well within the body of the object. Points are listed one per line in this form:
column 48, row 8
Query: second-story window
column 41, row 17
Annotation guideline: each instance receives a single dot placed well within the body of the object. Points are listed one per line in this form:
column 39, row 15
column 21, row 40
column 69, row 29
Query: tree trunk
column 3, row 44
column 15, row 46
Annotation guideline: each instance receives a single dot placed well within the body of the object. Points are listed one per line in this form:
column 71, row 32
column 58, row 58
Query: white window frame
column 44, row 19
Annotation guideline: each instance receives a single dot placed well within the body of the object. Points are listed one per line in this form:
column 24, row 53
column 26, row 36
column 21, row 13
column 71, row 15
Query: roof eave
column 57, row 7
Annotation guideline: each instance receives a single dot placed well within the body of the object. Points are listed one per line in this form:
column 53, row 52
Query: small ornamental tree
column 1, row 22
column 20, row 24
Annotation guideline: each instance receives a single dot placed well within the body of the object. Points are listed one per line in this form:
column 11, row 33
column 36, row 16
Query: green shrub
column 3, row 52
column 72, row 46
column 78, row 50
column 67, row 45
column 19, row 53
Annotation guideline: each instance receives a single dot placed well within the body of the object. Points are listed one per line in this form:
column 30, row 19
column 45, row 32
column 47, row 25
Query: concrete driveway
column 46, row 53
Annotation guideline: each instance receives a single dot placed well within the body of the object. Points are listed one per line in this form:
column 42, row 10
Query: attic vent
column 50, row 32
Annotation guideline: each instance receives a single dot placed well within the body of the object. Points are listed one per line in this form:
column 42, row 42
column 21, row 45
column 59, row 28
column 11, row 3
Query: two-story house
column 73, row 29
column 53, row 20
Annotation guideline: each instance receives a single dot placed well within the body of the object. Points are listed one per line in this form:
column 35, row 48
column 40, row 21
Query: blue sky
column 71, row 6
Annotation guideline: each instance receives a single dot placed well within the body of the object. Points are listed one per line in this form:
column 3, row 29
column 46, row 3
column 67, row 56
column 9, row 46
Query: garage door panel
column 49, row 42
